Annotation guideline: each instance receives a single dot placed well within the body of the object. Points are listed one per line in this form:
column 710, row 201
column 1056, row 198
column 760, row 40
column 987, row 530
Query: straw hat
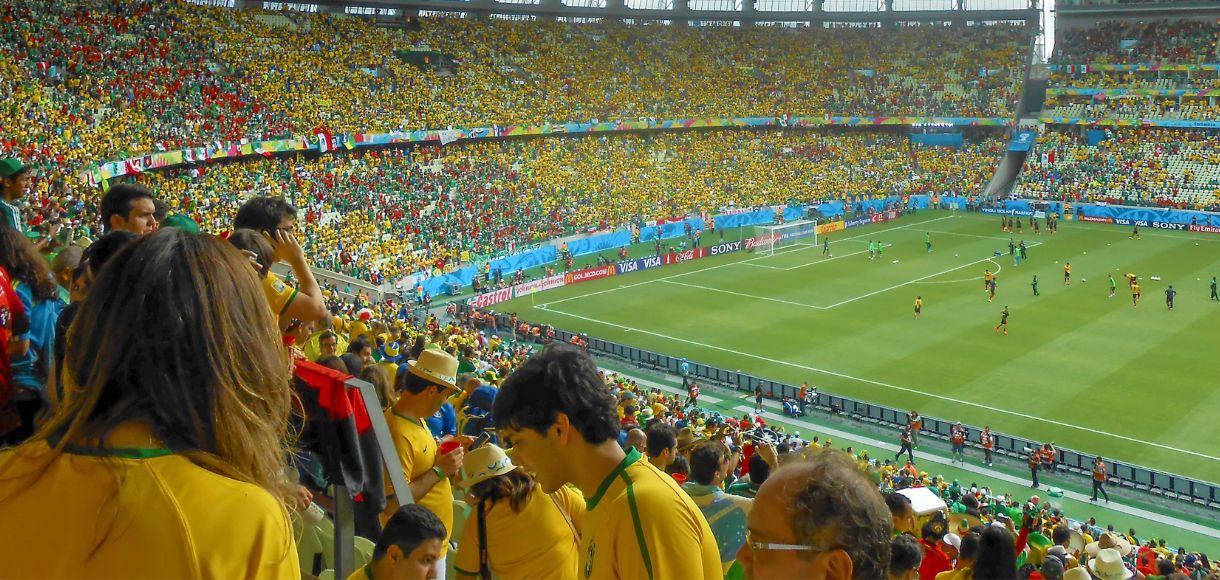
column 1077, row 573
column 1108, row 565
column 436, row 366
column 483, row 464
column 686, row 438
column 1109, row 540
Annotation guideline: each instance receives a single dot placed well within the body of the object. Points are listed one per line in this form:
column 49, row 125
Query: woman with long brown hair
column 516, row 530
column 166, row 455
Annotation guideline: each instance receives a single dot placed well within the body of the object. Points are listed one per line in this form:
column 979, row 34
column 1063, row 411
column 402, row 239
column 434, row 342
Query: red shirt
column 13, row 321
column 935, row 561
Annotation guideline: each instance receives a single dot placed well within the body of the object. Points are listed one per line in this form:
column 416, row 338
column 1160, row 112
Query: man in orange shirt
column 957, row 436
column 1067, row 273
column 1099, row 479
column 988, row 444
column 1049, row 455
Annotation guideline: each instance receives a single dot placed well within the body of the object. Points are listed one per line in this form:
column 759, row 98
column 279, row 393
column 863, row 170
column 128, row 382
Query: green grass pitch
column 1078, row 368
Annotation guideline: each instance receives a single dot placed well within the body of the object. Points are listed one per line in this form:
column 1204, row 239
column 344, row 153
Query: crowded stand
column 189, row 411
column 1159, row 167
column 1129, row 164
column 479, row 199
column 205, row 76
column 1128, row 42
column 1131, row 108
column 575, row 454
column 1157, row 58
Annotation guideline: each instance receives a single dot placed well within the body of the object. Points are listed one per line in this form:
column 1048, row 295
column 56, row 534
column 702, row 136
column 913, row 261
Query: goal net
column 797, row 233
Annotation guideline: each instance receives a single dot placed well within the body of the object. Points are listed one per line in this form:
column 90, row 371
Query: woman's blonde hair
column 176, row 334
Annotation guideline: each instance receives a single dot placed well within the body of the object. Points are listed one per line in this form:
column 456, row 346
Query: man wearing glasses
column 820, row 518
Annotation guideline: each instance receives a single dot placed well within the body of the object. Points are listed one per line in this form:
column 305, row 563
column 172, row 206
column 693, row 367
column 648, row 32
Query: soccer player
column 1135, row 233
column 880, row 246
column 992, row 296
column 1067, row 273
column 1018, row 225
column 918, row 306
column 986, row 280
column 1169, row 294
column 826, row 246
column 1016, row 259
column 1113, row 285
column 1214, row 295
column 1003, row 321
column 1037, row 229
column 1135, row 294
column 1035, row 285
column 1012, row 247
column 927, row 241
column 872, row 249
column 1021, row 248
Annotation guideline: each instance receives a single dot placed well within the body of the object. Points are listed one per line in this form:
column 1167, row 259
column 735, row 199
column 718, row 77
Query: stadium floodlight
column 797, row 233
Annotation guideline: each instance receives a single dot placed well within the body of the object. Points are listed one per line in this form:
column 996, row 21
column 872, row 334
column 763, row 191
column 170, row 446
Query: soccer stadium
column 356, row 289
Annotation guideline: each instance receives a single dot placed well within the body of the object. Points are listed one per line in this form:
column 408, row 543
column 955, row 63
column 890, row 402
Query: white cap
column 953, row 540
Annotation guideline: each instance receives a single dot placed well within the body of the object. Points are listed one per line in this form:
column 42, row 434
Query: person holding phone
column 275, row 219
column 424, row 385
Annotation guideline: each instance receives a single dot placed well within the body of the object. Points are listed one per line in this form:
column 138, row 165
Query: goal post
column 768, row 238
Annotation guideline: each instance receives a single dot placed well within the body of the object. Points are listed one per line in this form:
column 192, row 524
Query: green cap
column 10, row 166
column 181, row 222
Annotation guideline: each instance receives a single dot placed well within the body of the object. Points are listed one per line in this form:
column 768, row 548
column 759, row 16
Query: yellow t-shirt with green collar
column 536, row 543
column 135, row 513
column 279, row 294
column 640, row 524
column 416, row 448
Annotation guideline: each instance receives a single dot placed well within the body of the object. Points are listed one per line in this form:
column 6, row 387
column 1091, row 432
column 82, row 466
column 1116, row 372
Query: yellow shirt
column 136, row 513
column 535, row 543
column 279, row 294
column 417, row 452
column 363, row 573
column 640, row 524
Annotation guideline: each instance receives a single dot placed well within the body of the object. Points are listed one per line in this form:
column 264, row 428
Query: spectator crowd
column 193, row 76
column 149, row 393
column 379, row 215
column 1132, row 165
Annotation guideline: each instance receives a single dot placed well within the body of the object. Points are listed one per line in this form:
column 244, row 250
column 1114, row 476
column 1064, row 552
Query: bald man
column 636, row 439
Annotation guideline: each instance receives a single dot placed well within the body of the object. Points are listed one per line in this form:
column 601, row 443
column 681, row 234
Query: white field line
column 718, row 266
column 774, row 412
column 1072, row 426
column 816, row 307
